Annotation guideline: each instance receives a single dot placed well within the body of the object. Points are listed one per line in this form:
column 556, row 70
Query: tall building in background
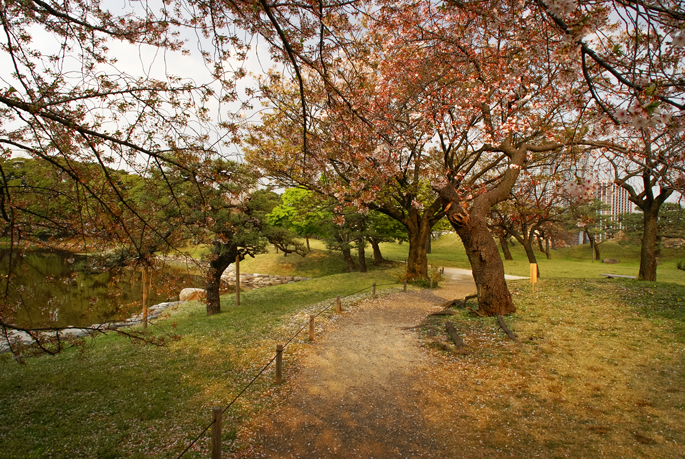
column 615, row 196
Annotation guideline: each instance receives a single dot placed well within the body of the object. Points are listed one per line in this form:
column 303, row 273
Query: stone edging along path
column 70, row 331
column 247, row 280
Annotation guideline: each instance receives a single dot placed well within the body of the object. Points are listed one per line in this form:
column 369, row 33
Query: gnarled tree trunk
column 487, row 266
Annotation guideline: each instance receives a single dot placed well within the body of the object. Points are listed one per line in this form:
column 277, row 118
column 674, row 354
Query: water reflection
column 54, row 288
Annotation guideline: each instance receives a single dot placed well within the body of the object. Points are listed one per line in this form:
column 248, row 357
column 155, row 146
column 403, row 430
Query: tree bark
column 547, row 247
column 377, row 256
column 486, row 264
column 505, row 248
column 361, row 252
column 213, row 298
column 471, row 226
column 418, row 224
column 222, row 257
column 347, row 254
column 530, row 253
column 648, row 249
column 309, row 249
column 417, row 261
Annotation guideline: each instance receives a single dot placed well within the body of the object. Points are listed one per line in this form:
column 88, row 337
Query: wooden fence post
column 216, row 433
column 374, row 290
column 431, row 282
column 279, row 364
column 237, row 280
column 405, row 285
column 311, row 327
column 338, row 305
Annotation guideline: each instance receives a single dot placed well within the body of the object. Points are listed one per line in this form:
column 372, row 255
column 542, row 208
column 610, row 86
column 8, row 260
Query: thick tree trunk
column 648, row 250
column 488, row 269
column 429, row 248
column 361, row 255
column 222, row 258
column 213, row 298
column 377, row 256
column 505, row 248
column 417, row 261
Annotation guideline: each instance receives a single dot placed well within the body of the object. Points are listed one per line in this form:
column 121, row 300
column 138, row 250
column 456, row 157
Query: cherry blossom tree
column 646, row 162
column 434, row 100
column 629, row 52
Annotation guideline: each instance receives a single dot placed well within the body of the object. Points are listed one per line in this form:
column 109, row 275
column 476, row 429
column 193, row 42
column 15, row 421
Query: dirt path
column 359, row 393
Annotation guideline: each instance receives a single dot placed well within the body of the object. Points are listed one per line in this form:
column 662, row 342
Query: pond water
column 54, row 288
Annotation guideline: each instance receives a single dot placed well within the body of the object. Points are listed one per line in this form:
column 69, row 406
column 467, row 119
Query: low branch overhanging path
column 358, row 393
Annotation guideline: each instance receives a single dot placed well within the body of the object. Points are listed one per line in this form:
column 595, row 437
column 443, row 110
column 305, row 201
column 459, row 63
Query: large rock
column 192, row 294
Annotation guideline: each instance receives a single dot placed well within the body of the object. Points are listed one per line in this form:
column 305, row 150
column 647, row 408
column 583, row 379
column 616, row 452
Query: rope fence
column 217, row 412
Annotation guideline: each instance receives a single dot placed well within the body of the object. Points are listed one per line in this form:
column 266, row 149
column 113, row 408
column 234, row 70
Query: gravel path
column 359, row 392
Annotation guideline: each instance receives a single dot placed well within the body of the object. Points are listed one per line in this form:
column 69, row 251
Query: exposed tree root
column 475, row 312
column 458, row 303
column 461, row 347
column 506, row 329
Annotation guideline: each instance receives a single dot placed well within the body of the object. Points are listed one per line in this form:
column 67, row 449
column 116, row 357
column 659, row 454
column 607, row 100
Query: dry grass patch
column 599, row 372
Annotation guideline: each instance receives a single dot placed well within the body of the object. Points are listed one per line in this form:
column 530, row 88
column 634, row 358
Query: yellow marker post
column 533, row 274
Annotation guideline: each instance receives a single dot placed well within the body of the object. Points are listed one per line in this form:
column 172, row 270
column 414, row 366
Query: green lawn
column 120, row 399
column 599, row 372
column 574, row 261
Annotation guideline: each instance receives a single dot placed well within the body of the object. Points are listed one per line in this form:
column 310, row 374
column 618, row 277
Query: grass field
column 574, row 261
column 119, row 399
column 601, row 367
column 600, row 372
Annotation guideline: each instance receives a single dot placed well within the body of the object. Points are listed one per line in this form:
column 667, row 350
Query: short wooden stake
column 311, row 327
column 405, row 285
column 237, row 280
column 431, row 282
column 279, row 364
column 374, row 290
column 533, row 274
column 338, row 305
column 216, row 433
